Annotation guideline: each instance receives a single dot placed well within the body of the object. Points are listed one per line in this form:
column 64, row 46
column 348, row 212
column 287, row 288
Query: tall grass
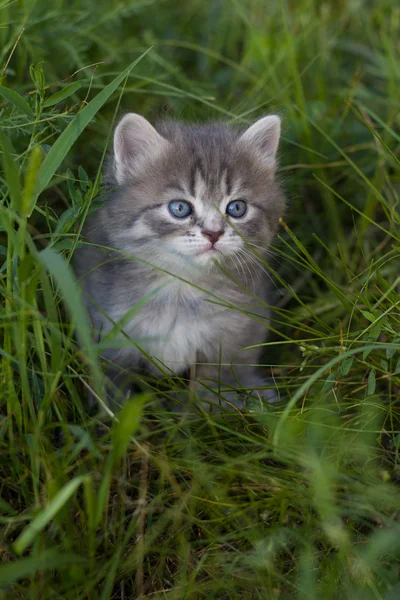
column 298, row 500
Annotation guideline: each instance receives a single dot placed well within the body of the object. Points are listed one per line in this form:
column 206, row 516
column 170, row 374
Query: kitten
column 193, row 209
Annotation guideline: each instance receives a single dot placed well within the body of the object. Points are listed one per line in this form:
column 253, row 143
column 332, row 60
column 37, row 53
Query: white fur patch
column 184, row 326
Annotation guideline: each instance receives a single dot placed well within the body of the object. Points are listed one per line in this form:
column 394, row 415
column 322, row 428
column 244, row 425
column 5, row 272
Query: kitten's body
column 192, row 276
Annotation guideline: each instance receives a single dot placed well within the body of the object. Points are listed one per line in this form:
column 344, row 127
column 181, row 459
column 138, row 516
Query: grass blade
column 11, row 171
column 127, row 424
column 39, row 523
column 18, row 101
column 315, row 377
column 69, row 136
column 63, row 94
column 63, row 275
column 71, row 293
column 50, row 559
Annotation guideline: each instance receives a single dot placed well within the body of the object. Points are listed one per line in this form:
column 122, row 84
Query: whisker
column 240, row 264
column 250, row 264
column 256, row 261
column 262, row 249
column 242, row 252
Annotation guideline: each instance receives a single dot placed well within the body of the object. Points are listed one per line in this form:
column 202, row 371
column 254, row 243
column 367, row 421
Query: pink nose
column 213, row 236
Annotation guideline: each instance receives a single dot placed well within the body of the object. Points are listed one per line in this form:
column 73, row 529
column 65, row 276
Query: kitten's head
column 194, row 194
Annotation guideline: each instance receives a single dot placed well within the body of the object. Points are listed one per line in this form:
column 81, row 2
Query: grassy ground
column 300, row 501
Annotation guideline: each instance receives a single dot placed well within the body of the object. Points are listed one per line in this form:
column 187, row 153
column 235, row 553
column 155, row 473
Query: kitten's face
column 195, row 195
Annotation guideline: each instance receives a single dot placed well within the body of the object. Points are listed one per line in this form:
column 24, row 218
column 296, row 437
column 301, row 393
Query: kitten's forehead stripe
column 201, row 169
column 201, row 185
column 192, row 180
column 175, row 187
column 228, row 182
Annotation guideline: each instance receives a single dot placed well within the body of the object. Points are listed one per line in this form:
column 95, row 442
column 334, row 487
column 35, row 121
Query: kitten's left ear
column 263, row 136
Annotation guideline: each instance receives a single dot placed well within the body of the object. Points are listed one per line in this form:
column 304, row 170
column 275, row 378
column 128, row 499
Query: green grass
column 298, row 501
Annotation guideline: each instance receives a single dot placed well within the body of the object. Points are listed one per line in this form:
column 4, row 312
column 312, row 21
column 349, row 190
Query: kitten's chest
column 175, row 324
column 177, row 309
column 178, row 321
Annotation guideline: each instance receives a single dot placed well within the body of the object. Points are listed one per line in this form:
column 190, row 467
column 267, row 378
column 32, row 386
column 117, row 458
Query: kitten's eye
column 236, row 208
column 180, row 209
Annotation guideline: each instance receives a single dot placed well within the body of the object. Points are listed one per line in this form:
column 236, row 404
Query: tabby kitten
column 191, row 210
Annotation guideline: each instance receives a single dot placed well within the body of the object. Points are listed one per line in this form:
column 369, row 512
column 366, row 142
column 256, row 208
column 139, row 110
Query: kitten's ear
column 263, row 136
column 134, row 140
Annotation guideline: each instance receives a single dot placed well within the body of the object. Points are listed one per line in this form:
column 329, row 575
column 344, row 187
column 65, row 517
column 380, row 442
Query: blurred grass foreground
column 300, row 500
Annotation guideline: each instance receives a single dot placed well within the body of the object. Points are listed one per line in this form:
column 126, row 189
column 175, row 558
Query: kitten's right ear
column 134, row 140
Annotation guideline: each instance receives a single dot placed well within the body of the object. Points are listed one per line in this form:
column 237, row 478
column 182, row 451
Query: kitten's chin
column 208, row 258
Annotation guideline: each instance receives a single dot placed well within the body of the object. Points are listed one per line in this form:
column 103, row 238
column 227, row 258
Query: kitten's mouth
column 210, row 250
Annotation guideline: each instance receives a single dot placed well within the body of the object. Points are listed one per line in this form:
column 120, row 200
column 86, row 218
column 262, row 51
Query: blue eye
column 236, row 208
column 180, row 209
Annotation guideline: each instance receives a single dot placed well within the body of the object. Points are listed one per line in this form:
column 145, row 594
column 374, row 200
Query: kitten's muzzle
column 213, row 236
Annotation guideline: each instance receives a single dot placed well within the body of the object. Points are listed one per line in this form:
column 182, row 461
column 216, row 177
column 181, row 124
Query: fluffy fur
column 184, row 289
